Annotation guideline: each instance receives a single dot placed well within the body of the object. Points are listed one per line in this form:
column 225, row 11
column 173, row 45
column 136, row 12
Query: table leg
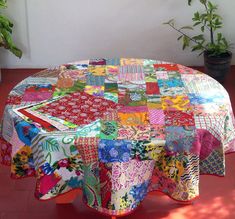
column 67, row 198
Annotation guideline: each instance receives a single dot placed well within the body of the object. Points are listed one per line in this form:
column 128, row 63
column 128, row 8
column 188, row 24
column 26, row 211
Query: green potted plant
column 210, row 42
column 5, row 33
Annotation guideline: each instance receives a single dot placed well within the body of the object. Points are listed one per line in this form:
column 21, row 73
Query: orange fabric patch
column 140, row 118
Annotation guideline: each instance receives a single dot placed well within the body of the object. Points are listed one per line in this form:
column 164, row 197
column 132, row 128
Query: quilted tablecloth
column 117, row 129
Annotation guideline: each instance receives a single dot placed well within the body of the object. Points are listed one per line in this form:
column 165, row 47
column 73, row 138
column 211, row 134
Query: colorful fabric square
column 160, row 181
column 47, row 183
column 172, row 91
column 91, row 185
column 186, row 70
column 149, row 69
column 109, row 130
column 137, row 99
column 81, row 65
column 179, row 118
column 97, row 70
column 14, row 100
column 38, row 93
column 26, row 132
column 97, row 62
column 64, row 82
column 77, row 74
column 22, row 163
column 139, row 192
column 178, row 165
column 205, row 143
column 114, row 151
column 123, row 98
column 128, row 174
column 133, row 109
column 5, row 152
column 154, row 102
column 79, row 108
column 114, row 61
column 158, row 132
column 95, row 80
column 139, row 87
column 185, row 136
column 110, row 116
column 213, row 164
column 111, row 96
column 176, row 103
column 94, row 90
column 131, row 73
column 212, row 123
column 150, row 77
column 105, row 174
column 91, row 130
column 88, row 148
column 166, row 67
column 156, row 117
column 111, row 87
column 162, row 75
column 152, row 88
column 147, row 150
column 140, row 118
column 64, row 89
column 122, row 200
column 130, row 61
column 149, row 61
column 112, row 70
column 174, row 82
column 132, row 98
column 139, row 132
column 174, row 75
column 205, row 98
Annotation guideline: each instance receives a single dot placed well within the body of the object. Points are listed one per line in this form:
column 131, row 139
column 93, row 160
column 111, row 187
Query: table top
column 117, row 129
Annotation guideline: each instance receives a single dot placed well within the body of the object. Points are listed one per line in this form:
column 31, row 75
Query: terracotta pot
column 217, row 66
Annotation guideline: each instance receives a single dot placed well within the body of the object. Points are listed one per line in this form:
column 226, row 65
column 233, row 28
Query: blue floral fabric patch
column 139, row 192
column 185, row 138
column 114, row 150
column 173, row 82
column 95, row 80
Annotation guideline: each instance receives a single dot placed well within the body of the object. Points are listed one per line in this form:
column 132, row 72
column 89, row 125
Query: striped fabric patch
column 131, row 73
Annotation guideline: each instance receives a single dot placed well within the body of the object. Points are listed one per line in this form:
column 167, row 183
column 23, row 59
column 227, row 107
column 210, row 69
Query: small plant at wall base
column 211, row 42
column 6, row 31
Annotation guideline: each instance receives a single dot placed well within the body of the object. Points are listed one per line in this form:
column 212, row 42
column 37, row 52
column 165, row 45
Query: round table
column 117, row 129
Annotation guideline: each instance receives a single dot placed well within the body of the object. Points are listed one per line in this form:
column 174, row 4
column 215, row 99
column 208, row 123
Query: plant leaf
column 186, row 41
column 186, row 27
column 189, row 2
column 180, row 37
column 171, row 21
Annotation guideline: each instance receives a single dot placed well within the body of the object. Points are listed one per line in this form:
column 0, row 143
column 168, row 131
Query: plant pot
column 217, row 66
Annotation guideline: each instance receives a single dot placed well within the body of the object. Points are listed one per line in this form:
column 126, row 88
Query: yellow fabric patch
column 181, row 103
column 97, row 70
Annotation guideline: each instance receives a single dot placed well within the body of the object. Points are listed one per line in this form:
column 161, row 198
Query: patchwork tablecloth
column 117, row 129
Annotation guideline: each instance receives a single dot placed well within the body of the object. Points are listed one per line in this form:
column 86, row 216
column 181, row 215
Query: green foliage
column 6, row 31
column 208, row 22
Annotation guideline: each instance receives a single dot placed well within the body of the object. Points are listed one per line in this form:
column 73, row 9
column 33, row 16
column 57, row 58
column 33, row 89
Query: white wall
column 52, row 32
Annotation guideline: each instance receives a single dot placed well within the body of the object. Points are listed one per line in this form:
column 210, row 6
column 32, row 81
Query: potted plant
column 210, row 42
column 5, row 33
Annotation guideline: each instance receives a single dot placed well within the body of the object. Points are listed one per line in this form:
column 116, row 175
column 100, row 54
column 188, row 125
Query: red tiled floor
column 217, row 194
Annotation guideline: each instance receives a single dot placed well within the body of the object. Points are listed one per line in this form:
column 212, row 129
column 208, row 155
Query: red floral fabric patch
column 79, row 108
